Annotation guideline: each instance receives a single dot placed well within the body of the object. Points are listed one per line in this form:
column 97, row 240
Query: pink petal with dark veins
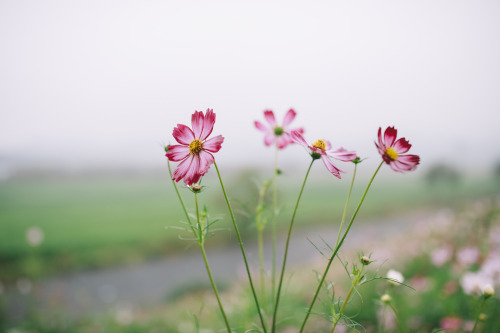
column 183, row 134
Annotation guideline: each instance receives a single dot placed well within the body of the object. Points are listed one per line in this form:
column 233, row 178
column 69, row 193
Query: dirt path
column 151, row 283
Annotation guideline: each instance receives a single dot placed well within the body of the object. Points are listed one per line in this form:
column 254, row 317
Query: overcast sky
column 90, row 83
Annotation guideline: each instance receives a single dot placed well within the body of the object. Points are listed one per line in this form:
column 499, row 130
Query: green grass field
column 100, row 221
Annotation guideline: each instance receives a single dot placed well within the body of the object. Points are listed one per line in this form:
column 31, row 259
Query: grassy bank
column 101, row 221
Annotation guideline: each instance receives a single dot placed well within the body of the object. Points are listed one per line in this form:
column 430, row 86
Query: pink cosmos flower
column 194, row 151
column 323, row 149
column 392, row 150
column 276, row 133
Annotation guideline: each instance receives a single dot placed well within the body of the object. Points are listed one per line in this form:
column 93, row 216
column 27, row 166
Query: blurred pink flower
column 441, row 255
column 276, row 133
column 451, row 323
column 473, row 283
column 392, row 150
column 323, row 149
column 468, row 256
column 194, row 150
column 491, row 267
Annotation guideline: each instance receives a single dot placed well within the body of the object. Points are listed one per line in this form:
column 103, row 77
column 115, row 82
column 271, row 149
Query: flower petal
column 390, row 135
column 380, row 142
column 297, row 137
column 409, row 160
column 402, row 146
column 300, row 130
column 261, row 127
column 193, row 171
column 197, row 122
column 269, row 116
column 208, row 124
column 177, row 153
column 213, row 145
column 405, row 163
column 283, row 141
column 289, row 117
column 331, row 167
column 203, row 124
column 269, row 139
column 206, row 160
column 182, row 168
column 328, row 145
column 183, row 134
column 342, row 154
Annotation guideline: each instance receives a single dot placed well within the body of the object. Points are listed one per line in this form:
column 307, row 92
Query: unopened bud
column 488, row 291
column 483, row 316
column 385, row 298
column 365, row 260
column 395, row 277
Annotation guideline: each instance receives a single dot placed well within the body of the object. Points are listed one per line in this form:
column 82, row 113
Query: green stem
column 346, row 205
column 336, row 250
column 275, row 216
column 478, row 314
column 286, row 248
column 355, row 282
column 261, row 263
column 202, row 248
column 180, row 199
column 241, row 248
column 396, row 317
column 212, row 282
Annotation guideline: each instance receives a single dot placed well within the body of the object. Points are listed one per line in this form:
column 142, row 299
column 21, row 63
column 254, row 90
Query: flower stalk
column 238, row 235
column 337, row 248
column 201, row 242
column 200, row 234
column 355, row 282
column 278, row 294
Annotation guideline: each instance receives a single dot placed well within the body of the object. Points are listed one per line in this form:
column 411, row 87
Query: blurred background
column 90, row 92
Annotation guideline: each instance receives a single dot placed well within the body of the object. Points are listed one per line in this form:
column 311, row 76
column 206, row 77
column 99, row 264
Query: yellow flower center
column 195, row 147
column 320, row 144
column 391, row 153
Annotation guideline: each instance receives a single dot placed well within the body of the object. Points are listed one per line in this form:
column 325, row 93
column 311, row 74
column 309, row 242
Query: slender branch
column 346, row 204
column 355, row 282
column 478, row 314
column 242, row 249
column 207, row 266
column 286, row 249
column 180, row 198
column 336, row 250
column 275, row 217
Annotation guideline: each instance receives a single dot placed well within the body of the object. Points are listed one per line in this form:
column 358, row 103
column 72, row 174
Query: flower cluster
column 195, row 151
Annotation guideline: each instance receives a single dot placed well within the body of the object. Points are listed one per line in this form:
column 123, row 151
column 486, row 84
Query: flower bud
column 488, row 291
column 357, row 160
column 196, row 188
column 386, row 298
column 395, row 277
column 483, row 316
column 365, row 260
